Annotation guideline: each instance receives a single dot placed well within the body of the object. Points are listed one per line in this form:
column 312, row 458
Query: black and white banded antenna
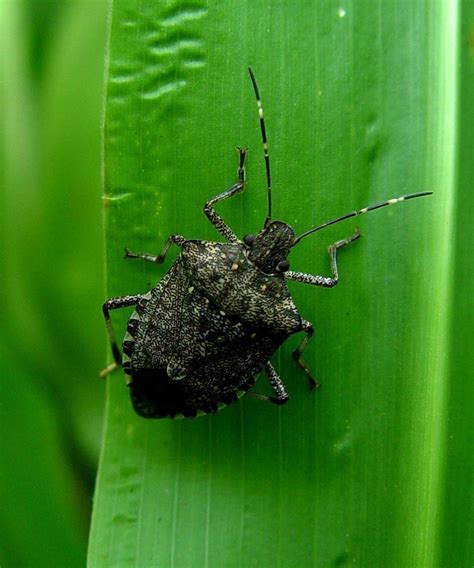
column 361, row 212
column 265, row 147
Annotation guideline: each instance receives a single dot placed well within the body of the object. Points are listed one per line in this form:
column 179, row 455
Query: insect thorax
column 225, row 274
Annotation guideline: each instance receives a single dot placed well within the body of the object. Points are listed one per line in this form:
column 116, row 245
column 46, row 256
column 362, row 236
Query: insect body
column 198, row 340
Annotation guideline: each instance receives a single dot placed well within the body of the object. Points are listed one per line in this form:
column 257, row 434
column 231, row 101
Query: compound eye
column 283, row 266
column 249, row 240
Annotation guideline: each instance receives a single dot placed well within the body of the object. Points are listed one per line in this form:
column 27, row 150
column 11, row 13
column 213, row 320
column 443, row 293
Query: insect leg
column 209, row 210
column 327, row 282
column 114, row 304
column 281, row 394
column 172, row 239
column 297, row 353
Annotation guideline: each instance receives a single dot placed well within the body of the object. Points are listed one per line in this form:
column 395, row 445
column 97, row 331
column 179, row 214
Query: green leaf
column 361, row 105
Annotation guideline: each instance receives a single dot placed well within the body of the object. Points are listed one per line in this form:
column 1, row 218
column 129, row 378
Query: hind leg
column 281, row 394
column 115, row 304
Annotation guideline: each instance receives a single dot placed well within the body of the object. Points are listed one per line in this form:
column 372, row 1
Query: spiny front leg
column 209, row 210
column 172, row 239
column 327, row 282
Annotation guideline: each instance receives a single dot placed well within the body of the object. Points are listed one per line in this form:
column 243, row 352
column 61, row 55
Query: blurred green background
column 364, row 446
column 52, row 340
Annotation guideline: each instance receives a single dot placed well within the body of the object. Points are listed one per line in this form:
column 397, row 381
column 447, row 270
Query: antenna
column 265, row 146
column 362, row 211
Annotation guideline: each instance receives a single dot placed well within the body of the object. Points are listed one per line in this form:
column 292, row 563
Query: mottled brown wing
column 199, row 359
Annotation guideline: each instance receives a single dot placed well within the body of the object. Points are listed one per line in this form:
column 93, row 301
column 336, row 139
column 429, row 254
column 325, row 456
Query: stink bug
column 198, row 340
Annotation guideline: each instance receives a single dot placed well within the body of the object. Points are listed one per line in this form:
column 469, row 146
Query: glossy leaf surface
column 362, row 104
